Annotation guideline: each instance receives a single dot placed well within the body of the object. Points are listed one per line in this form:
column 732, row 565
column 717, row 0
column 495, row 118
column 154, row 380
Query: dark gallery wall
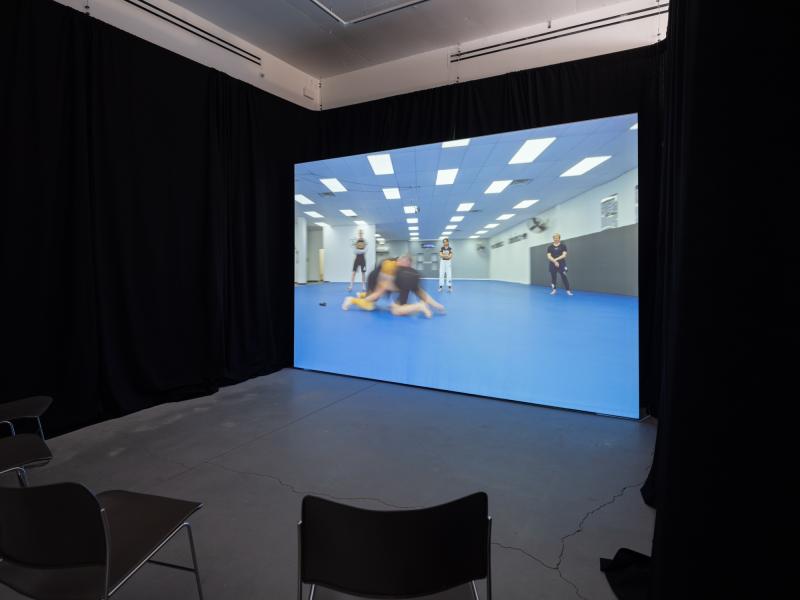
column 148, row 202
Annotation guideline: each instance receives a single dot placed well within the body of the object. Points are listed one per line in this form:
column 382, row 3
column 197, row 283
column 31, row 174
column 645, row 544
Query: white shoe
column 553, row 292
column 569, row 293
column 449, row 289
column 440, row 288
column 350, row 288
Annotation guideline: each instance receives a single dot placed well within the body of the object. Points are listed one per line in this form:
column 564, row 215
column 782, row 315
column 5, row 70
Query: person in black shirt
column 557, row 257
column 360, row 262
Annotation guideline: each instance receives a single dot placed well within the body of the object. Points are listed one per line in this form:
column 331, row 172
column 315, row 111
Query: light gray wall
column 314, row 245
column 576, row 217
column 339, row 255
column 606, row 261
column 300, row 249
column 469, row 260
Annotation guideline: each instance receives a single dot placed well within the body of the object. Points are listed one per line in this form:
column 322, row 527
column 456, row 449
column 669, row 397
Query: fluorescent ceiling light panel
column 505, row 217
column 412, row 220
column 348, row 213
column 472, row 237
column 530, row 150
column 587, row 164
column 392, row 193
column 301, row 199
column 410, row 210
column 497, row 186
column 413, row 228
column 446, row 176
column 452, row 227
column 465, row 207
column 362, row 223
column 320, row 223
column 635, row 125
column 481, row 232
column 456, row 143
column 491, row 225
column 525, row 203
column 381, row 164
column 333, row 185
column 314, row 214
column 456, row 219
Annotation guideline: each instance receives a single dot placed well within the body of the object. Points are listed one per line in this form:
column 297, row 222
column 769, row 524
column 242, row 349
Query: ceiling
column 479, row 163
column 302, row 34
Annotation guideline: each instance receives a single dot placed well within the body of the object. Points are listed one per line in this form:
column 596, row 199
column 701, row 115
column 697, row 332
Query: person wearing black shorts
column 557, row 259
column 407, row 280
column 360, row 262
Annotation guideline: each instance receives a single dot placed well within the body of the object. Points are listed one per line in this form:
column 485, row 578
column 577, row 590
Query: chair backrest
column 58, row 525
column 394, row 554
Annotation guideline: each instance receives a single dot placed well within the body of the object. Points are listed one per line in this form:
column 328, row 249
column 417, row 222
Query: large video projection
column 503, row 266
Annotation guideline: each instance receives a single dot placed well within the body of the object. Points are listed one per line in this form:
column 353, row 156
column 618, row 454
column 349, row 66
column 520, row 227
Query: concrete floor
column 563, row 486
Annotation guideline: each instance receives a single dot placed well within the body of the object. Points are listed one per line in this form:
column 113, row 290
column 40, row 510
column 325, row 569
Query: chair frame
column 149, row 559
column 471, row 583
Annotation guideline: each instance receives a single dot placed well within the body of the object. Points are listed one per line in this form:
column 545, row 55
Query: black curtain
column 146, row 219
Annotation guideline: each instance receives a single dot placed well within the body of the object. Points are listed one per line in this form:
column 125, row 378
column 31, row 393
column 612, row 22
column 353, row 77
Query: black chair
column 394, row 554
column 19, row 452
column 61, row 542
column 26, row 408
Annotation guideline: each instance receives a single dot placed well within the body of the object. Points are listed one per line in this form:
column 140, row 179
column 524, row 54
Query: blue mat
column 503, row 340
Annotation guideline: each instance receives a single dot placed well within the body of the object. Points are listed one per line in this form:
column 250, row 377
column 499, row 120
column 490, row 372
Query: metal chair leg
column 194, row 561
column 22, row 476
column 474, row 591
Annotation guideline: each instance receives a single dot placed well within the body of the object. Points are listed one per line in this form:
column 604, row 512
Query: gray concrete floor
column 563, row 486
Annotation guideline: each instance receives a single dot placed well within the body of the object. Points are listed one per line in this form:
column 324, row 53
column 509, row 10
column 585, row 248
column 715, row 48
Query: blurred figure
column 360, row 262
column 446, row 266
column 395, row 276
column 557, row 257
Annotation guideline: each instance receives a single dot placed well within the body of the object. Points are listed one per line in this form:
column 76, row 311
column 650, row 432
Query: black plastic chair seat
column 138, row 524
column 24, row 450
column 25, row 408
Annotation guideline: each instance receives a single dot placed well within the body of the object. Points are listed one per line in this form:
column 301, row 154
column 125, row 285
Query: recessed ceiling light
column 587, row 164
column 381, row 164
column 505, row 217
column 314, row 214
column 465, row 207
column 497, row 186
column 362, row 223
column 530, row 150
column 525, row 203
column 412, row 220
column 301, row 199
column 410, row 210
column 452, row 227
column 320, row 223
column 491, row 225
column 472, row 237
column 456, row 143
column 635, row 125
column 456, row 219
column 392, row 193
column 446, row 176
column 333, row 185
column 348, row 213
column 481, row 232
column 413, row 228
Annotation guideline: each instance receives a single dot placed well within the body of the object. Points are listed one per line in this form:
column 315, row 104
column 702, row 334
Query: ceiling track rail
column 379, row 13
column 636, row 15
column 195, row 30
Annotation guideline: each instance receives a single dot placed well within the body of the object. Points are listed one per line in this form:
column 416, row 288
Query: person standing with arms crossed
column 360, row 247
column 557, row 257
column 446, row 265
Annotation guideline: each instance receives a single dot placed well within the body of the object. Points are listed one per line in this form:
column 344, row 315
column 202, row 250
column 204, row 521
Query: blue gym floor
column 504, row 340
